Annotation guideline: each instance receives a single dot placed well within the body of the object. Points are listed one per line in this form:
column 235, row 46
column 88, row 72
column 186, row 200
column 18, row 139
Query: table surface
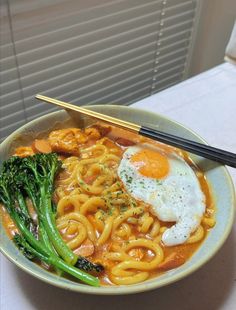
column 207, row 104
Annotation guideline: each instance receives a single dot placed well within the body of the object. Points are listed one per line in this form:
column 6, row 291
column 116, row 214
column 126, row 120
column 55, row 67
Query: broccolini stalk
column 42, row 168
column 52, row 259
column 8, row 196
column 31, row 190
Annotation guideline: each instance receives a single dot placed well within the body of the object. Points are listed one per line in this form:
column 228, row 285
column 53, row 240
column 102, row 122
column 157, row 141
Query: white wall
column 215, row 26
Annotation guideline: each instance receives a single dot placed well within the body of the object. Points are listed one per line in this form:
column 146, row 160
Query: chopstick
column 215, row 154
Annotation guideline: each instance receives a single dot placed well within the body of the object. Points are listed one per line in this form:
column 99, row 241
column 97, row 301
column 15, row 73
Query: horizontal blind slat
column 90, row 41
column 118, row 87
column 134, row 88
column 80, row 89
column 127, row 98
column 10, row 75
column 13, row 95
column 88, row 58
column 9, row 109
column 84, row 53
column 107, row 24
column 45, row 22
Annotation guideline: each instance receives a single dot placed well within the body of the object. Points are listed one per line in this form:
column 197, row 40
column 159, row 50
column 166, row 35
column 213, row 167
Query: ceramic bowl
column 217, row 176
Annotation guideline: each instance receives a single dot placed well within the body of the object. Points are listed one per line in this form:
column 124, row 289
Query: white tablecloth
column 207, row 104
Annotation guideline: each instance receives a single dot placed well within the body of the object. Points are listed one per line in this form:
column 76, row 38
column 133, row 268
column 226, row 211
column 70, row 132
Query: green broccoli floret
column 84, row 264
column 29, row 252
column 24, row 247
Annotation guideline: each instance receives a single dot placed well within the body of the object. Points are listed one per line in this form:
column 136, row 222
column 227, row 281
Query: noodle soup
column 107, row 210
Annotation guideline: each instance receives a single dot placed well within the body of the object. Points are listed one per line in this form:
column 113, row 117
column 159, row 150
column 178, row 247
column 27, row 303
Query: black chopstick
column 215, row 154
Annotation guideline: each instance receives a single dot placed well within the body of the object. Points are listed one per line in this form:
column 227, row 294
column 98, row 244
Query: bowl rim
column 143, row 286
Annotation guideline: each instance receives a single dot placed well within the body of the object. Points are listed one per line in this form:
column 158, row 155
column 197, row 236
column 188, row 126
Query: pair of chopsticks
column 215, row 154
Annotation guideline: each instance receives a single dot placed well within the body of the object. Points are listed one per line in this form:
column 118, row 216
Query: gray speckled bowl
column 217, row 175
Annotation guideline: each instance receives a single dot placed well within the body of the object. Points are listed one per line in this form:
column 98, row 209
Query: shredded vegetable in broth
column 98, row 215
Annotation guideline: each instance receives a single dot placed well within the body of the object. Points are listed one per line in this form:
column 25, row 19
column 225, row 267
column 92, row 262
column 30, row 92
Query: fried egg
column 168, row 184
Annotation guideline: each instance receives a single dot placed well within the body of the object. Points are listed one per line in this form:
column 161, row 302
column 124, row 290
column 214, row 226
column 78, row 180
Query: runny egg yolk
column 151, row 164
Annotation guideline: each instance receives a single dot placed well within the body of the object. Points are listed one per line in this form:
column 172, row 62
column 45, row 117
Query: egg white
column 175, row 198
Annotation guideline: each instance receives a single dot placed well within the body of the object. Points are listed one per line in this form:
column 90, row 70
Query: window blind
column 89, row 52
